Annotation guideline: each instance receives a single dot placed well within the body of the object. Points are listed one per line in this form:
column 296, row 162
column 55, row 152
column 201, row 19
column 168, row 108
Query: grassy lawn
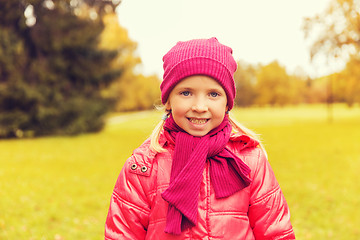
column 59, row 188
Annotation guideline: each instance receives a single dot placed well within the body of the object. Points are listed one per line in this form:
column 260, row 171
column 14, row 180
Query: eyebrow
column 217, row 89
column 183, row 89
column 210, row 89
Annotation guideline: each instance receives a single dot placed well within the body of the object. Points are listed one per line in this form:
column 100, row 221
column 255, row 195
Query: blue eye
column 214, row 94
column 185, row 93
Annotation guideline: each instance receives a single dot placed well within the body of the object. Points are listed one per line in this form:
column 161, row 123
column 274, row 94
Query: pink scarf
column 228, row 173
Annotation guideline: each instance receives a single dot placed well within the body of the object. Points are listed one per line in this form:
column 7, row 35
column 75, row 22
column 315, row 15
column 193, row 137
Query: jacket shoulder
column 135, row 179
column 141, row 160
column 245, row 147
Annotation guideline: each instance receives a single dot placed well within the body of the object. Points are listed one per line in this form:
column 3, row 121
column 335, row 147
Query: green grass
column 317, row 164
column 60, row 187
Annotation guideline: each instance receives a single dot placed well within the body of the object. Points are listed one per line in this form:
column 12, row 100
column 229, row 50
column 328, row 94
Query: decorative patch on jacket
column 139, row 168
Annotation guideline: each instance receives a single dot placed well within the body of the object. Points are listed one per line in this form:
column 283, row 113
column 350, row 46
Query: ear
column 167, row 106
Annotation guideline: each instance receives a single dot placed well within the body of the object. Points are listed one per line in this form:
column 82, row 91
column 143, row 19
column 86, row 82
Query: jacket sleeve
column 269, row 213
column 129, row 209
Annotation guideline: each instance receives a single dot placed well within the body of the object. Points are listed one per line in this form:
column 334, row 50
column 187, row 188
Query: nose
column 200, row 105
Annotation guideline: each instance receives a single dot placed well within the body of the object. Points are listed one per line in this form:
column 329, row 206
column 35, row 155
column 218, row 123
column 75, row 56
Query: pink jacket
column 137, row 210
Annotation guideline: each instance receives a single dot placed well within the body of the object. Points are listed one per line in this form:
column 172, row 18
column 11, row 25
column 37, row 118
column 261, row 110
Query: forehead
column 199, row 82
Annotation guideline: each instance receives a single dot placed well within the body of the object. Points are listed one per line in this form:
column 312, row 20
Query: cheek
column 220, row 116
column 221, row 107
column 178, row 110
column 177, row 106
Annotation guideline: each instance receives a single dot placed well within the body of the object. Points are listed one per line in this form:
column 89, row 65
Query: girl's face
column 198, row 104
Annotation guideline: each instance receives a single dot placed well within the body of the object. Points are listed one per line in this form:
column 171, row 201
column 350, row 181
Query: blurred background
column 79, row 80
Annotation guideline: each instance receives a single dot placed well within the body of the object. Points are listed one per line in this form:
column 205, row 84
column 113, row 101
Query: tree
column 301, row 85
column 338, row 29
column 273, row 85
column 347, row 83
column 339, row 38
column 245, row 80
column 131, row 90
column 52, row 70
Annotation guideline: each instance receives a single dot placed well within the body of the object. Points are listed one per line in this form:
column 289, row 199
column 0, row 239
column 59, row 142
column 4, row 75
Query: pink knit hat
column 199, row 57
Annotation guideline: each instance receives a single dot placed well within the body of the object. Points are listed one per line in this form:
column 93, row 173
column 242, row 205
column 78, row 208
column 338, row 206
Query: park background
column 75, row 100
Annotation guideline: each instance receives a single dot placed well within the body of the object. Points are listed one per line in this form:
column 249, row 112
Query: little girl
column 201, row 175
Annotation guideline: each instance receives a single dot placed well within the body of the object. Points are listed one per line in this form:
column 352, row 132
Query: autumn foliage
column 271, row 85
column 65, row 64
column 335, row 35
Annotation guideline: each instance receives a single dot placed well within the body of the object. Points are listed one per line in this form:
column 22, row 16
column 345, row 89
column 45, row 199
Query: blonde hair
column 237, row 127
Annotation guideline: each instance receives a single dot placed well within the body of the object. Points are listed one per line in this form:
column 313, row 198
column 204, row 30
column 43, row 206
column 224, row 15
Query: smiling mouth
column 198, row 121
